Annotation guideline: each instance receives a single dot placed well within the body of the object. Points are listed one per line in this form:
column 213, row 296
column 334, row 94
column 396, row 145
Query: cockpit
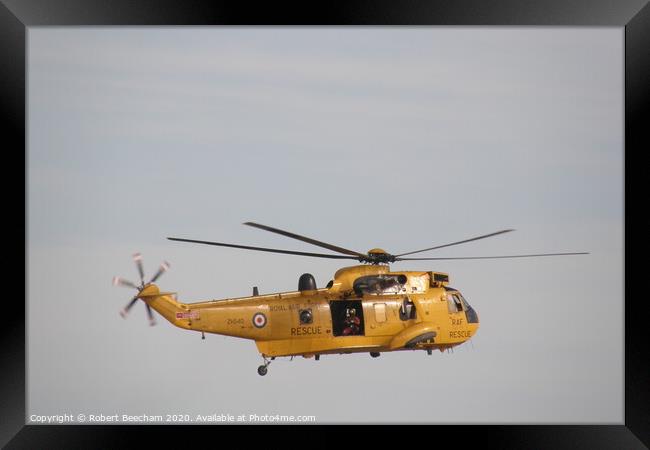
column 456, row 303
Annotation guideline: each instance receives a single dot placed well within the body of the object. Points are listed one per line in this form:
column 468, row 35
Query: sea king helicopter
column 365, row 308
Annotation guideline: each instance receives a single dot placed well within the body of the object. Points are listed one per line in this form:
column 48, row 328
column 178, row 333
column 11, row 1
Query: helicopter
column 365, row 308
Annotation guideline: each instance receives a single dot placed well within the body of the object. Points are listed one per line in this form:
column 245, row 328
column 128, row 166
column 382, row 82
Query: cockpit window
column 379, row 284
column 462, row 299
column 455, row 302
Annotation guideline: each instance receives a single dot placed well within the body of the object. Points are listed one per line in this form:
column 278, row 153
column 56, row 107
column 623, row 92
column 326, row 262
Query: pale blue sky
column 401, row 138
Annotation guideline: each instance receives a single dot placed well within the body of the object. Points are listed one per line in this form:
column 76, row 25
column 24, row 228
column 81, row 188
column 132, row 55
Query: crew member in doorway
column 352, row 323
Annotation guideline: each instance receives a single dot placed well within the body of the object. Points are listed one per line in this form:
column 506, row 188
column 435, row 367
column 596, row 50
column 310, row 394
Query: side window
column 465, row 304
column 451, row 306
column 306, row 316
column 458, row 302
column 454, row 303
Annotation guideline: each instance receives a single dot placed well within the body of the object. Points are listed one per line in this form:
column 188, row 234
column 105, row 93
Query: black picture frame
column 633, row 15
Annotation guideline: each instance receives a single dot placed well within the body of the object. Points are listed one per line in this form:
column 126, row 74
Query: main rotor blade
column 138, row 262
column 262, row 249
column 164, row 267
column 125, row 311
column 152, row 322
column 490, row 257
column 334, row 248
column 459, row 242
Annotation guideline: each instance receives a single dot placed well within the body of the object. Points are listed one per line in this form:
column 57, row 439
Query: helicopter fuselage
column 365, row 308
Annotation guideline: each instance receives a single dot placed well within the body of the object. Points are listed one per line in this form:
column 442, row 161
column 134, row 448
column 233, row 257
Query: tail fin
column 163, row 302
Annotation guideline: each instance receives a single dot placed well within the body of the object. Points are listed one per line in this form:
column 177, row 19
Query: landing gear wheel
column 375, row 354
column 263, row 369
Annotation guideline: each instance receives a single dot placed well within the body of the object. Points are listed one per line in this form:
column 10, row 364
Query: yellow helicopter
column 364, row 308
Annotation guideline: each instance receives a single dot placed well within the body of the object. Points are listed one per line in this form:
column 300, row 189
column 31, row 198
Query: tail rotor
column 118, row 281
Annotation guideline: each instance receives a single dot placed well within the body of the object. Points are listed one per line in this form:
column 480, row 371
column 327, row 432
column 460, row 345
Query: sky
column 394, row 137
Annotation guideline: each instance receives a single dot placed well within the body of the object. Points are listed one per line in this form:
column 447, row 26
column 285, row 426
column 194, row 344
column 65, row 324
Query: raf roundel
column 259, row 320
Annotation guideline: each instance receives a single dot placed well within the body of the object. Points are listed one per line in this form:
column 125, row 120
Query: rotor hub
column 378, row 256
